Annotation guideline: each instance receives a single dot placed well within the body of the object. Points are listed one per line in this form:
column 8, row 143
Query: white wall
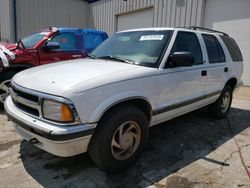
column 232, row 17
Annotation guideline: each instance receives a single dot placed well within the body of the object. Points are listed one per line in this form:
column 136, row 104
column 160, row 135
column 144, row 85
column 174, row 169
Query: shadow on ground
column 172, row 146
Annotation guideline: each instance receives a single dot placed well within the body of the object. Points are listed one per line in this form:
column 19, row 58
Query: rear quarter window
column 233, row 48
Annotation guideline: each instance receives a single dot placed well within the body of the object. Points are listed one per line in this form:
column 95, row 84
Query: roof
column 194, row 29
column 148, row 29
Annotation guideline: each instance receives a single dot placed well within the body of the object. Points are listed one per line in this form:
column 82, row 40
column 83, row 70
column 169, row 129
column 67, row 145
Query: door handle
column 226, row 69
column 203, row 73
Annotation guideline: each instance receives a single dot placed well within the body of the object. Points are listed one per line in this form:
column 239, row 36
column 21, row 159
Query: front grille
column 27, row 109
column 27, row 96
column 26, row 102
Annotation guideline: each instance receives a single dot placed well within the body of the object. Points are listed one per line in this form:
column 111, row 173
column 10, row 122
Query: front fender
column 109, row 102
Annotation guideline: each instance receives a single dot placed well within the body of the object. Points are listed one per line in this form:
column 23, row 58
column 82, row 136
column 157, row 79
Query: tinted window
column 67, row 41
column 214, row 49
column 188, row 42
column 233, row 48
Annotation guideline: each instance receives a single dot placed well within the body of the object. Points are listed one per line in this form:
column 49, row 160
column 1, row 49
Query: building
column 19, row 18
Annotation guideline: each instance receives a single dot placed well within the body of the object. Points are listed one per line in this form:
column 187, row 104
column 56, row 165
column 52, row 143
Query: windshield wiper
column 117, row 58
column 91, row 56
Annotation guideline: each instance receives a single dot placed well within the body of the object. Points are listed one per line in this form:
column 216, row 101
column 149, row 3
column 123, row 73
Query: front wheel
column 221, row 107
column 119, row 138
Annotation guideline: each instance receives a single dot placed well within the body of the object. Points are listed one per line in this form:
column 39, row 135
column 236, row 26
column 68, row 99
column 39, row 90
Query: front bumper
column 62, row 141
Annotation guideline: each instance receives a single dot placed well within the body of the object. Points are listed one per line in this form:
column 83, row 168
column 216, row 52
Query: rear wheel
column 119, row 138
column 221, row 107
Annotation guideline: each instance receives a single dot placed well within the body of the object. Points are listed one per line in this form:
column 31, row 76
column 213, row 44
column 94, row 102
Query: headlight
column 57, row 111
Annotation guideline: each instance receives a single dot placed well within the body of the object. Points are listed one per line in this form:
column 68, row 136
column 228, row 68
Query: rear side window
column 188, row 42
column 214, row 49
column 233, row 48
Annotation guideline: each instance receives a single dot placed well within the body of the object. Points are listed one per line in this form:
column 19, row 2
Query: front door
column 182, row 88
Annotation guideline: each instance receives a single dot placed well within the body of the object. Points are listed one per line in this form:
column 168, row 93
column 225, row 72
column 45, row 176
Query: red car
column 48, row 46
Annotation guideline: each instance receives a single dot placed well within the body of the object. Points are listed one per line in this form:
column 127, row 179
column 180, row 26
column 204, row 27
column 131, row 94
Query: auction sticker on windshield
column 151, row 37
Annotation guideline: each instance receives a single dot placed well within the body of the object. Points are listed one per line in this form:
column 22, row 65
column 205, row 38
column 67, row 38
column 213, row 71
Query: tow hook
column 33, row 141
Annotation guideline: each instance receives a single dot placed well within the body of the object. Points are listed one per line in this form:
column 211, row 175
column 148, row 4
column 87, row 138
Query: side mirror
column 180, row 59
column 51, row 46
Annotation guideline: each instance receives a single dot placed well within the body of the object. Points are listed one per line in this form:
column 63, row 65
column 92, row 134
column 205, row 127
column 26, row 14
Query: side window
column 233, row 48
column 67, row 41
column 188, row 42
column 214, row 49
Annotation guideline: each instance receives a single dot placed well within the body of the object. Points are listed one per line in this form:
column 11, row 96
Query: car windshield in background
column 137, row 47
column 32, row 40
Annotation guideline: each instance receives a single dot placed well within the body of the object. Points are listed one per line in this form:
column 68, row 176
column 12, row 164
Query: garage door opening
column 137, row 19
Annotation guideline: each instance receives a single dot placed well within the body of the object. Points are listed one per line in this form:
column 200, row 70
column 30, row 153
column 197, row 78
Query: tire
column 220, row 109
column 107, row 146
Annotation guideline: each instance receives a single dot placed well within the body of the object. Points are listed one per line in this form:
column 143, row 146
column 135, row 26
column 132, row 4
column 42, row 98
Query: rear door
column 69, row 48
column 182, row 88
column 217, row 68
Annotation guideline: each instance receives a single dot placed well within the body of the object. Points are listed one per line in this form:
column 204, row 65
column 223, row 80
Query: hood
column 9, row 46
column 75, row 76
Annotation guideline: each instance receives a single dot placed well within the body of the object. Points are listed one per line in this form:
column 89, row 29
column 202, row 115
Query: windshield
column 140, row 47
column 32, row 40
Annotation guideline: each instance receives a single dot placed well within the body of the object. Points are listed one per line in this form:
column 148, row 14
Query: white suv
column 105, row 104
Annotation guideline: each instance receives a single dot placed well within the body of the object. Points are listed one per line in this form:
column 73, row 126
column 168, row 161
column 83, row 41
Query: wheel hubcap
column 4, row 87
column 225, row 102
column 126, row 140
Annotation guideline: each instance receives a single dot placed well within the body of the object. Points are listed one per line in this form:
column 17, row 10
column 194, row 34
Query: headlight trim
column 55, row 111
column 62, row 101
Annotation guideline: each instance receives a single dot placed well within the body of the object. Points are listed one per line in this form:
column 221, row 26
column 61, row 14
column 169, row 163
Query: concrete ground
column 190, row 151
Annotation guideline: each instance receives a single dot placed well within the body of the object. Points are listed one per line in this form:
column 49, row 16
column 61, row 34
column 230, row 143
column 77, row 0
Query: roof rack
column 206, row 29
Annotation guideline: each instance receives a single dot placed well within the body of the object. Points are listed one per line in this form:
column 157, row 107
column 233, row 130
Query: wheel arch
column 232, row 82
column 140, row 102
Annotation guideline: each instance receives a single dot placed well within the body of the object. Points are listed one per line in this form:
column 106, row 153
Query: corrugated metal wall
column 103, row 14
column 6, row 23
column 33, row 15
